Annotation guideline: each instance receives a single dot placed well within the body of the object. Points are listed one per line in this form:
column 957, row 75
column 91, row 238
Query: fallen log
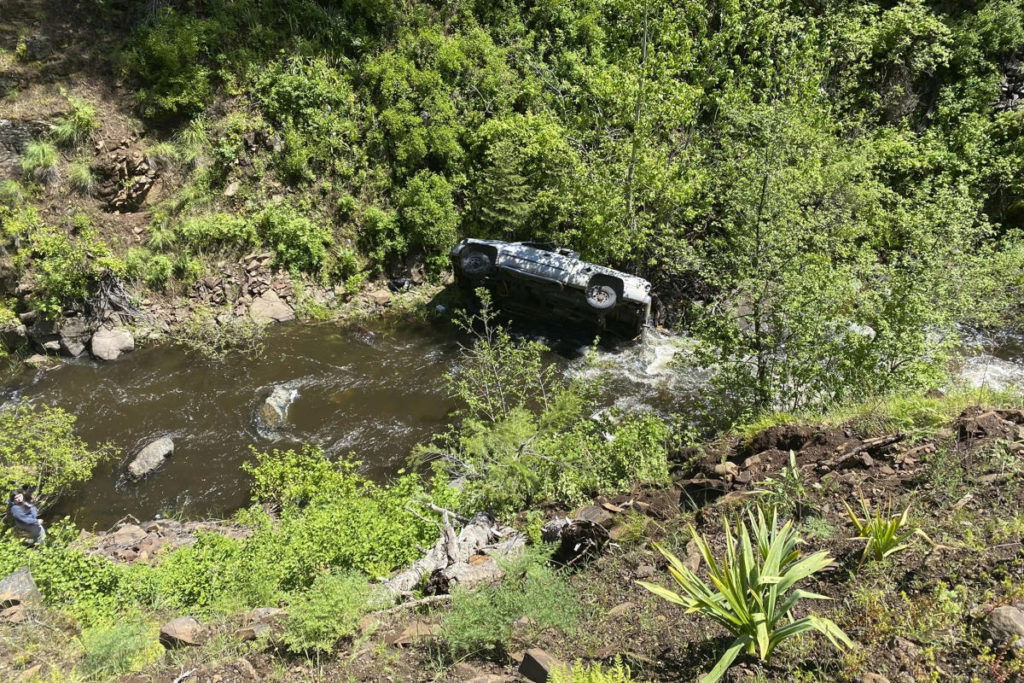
column 451, row 557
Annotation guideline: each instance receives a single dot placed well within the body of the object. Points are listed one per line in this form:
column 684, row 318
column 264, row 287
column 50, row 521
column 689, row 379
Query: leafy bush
column 525, row 436
column 531, row 590
column 39, row 162
column 216, row 230
column 883, row 532
column 168, row 60
column 153, row 269
column 327, row 612
column 39, row 447
column 298, row 242
column 11, row 193
column 750, row 583
column 64, row 267
column 122, row 647
column 428, row 216
column 90, row 588
column 76, row 126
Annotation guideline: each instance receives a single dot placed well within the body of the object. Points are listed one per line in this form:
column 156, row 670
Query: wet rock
column 74, row 334
column 537, row 665
column 183, row 631
column 40, row 361
column 110, row 342
column 1006, row 624
column 151, row 457
column 269, row 307
column 18, row 588
column 273, row 412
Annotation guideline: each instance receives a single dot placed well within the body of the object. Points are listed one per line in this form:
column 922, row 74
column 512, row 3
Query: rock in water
column 110, row 343
column 151, row 457
column 270, row 308
column 273, row 413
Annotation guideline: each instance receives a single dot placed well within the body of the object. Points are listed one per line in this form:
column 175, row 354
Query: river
column 375, row 390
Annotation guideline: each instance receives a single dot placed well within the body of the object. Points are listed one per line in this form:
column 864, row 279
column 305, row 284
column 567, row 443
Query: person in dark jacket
column 25, row 517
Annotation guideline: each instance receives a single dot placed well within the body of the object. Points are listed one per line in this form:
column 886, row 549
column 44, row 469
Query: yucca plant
column 884, row 533
column 752, row 593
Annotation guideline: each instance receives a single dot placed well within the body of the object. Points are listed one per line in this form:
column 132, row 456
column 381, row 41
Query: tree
column 39, row 448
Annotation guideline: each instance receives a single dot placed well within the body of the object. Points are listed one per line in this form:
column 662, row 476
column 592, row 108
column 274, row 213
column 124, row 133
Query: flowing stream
column 375, row 391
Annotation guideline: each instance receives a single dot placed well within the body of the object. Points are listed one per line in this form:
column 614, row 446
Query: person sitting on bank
column 25, row 518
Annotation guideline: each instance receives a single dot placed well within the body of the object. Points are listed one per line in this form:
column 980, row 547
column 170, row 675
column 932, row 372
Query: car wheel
column 601, row 296
column 476, row 263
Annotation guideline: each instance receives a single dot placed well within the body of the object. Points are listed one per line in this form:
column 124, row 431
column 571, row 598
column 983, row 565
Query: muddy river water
column 375, row 391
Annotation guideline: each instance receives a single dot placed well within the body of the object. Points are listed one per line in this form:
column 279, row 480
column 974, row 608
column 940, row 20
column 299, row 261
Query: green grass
column 11, row 193
column 81, row 178
column 76, row 126
column 39, row 162
column 113, row 650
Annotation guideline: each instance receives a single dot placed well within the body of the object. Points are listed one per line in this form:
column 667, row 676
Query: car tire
column 476, row 263
column 601, row 296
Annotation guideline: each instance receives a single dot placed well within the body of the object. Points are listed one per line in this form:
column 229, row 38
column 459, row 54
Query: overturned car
column 541, row 280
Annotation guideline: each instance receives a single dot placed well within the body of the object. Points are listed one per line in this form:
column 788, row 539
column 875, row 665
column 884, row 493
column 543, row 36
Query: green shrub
column 11, row 193
column 76, row 126
column 81, row 179
column 327, row 612
column 211, row 230
column 64, row 267
column 526, row 438
column 428, row 216
column 153, row 269
column 384, row 240
column 749, row 593
column 39, row 163
column 188, row 268
column 121, row 647
column 298, row 242
column 531, row 590
column 167, row 59
column 90, row 588
column 38, row 446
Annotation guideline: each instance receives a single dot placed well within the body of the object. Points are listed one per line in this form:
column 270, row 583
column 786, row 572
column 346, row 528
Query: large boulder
column 270, row 308
column 273, row 412
column 18, row 588
column 1006, row 624
column 182, row 631
column 74, row 334
column 151, row 457
column 110, row 342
